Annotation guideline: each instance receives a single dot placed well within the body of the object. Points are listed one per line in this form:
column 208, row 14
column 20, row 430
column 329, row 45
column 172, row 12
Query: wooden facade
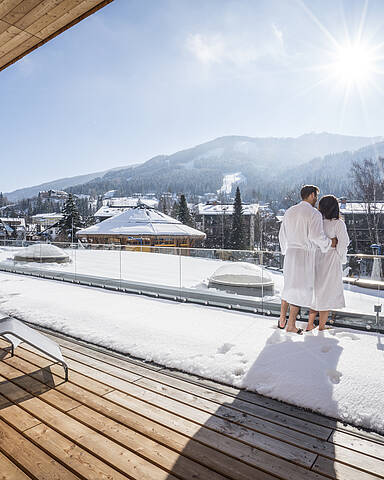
column 143, row 241
column 28, row 24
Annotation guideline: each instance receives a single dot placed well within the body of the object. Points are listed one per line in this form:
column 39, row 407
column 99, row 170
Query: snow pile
column 337, row 373
column 41, row 252
column 242, row 274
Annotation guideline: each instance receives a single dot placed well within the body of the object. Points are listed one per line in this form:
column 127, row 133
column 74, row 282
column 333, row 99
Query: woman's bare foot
column 282, row 322
column 310, row 328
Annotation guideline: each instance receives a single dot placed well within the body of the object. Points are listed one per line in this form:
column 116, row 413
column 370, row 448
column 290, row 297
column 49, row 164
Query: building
column 142, row 226
column 215, row 220
column 12, row 228
column 115, row 206
column 47, row 224
column 363, row 221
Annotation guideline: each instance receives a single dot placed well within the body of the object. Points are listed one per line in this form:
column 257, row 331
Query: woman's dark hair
column 307, row 190
column 329, row 207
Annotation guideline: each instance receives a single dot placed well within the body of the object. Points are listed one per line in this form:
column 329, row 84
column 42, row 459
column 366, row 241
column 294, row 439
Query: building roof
column 142, row 221
column 219, row 209
column 115, row 206
column 360, row 207
column 27, row 24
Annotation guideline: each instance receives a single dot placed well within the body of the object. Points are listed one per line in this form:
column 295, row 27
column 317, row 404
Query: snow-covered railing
column 241, row 279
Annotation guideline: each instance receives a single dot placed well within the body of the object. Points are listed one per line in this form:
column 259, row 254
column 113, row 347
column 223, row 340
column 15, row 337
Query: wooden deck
column 117, row 418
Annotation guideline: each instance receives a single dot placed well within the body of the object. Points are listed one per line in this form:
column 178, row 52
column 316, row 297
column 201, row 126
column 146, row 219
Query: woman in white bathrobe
column 328, row 288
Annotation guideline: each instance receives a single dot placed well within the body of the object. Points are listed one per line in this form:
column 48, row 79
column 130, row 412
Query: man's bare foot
column 299, row 331
column 321, row 329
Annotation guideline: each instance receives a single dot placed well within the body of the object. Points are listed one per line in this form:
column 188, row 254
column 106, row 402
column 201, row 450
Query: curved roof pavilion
column 142, row 225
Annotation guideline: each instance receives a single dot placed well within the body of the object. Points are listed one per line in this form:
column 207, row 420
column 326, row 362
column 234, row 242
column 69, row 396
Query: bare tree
column 368, row 189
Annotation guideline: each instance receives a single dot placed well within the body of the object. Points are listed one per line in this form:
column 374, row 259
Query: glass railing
column 241, row 279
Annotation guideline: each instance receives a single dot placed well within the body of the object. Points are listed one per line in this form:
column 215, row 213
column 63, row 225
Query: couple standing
column 314, row 243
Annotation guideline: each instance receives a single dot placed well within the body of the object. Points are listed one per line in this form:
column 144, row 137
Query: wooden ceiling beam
column 35, row 22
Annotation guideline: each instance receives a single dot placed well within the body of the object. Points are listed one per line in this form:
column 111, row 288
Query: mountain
column 332, row 172
column 60, row 184
column 261, row 162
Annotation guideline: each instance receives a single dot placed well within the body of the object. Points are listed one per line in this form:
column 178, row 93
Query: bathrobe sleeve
column 316, row 232
column 283, row 238
column 343, row 241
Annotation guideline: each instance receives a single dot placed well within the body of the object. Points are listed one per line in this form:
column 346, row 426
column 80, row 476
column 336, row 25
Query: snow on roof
column 359, row 207
column 42, row 216
column 142, row 221
column 13, row 221
column 220, row 209
column 114, row 206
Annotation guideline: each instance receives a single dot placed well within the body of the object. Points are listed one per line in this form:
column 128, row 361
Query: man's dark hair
column 307, row 190
column 329, row 207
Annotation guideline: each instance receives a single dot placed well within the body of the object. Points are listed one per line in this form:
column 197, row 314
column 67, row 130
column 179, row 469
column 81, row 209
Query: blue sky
column 141, row 78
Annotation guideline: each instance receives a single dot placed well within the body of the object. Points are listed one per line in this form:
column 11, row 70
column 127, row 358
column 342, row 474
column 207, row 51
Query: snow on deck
column 337, row 373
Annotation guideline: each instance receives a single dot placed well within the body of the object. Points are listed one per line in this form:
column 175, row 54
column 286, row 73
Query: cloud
column 207, row 48
column 278, row 33
column 237, row 50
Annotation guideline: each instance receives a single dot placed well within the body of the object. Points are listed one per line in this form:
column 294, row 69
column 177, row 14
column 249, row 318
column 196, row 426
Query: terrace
column 215, row 376
column 121, row 418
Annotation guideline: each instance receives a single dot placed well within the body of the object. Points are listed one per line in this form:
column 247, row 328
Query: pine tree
column 71, row 222
column 237, row 234
column 174, row 210
column 183, row 214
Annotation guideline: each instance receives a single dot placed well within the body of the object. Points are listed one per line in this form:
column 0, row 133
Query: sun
column 353, row 64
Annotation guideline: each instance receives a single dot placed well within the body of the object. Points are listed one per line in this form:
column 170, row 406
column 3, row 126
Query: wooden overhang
column 27, row 24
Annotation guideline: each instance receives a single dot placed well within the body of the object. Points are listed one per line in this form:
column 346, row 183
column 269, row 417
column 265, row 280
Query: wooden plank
column 9, row 471
column 67, row 18
column 16, row 416
column 254, row 438
column 33, row 386
column 20, row 49
column 211, row 390
column 7, row 5
column 368, row 465
column 39, row 11
column 121, row 458
column 32, row 360
column 149, row 448
column 20, row 11
column 34, row 461
column 279, row 433
column 252, row 456
column 3, row 26
column 7, row 35
column 340, row 470
column 359, row 444
column 207, row 456
column 51, row 16
column 78, row 459
column 225, row 444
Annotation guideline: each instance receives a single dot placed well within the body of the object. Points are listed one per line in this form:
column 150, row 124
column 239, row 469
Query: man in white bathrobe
column 300, row 233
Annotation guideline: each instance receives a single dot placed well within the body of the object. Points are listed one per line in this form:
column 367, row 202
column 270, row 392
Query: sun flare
column 353, row 64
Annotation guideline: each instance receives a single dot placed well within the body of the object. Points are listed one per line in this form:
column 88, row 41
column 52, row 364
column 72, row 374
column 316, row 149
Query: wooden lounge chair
column 15, row 332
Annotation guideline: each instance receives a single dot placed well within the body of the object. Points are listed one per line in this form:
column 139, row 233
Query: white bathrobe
column 329, row 290
column 301, row 232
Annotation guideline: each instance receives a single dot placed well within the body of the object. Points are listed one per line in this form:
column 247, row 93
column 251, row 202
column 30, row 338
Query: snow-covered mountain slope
column 201, row 169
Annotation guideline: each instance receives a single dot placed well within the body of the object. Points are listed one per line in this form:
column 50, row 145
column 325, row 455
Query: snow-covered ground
column 338, row 373
column 172, row 270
